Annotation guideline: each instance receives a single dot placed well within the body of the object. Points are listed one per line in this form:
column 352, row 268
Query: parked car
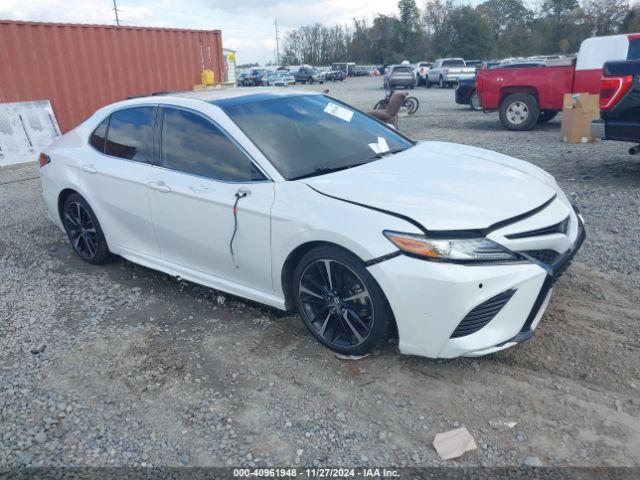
column 421, row 72
column 477, row 64
column 447, row 71
column 619, row 104
column 334, row 76
column 348, row 68
column 279, row 79
column 320, row 76
column 466, row 93
column 241, row 79
column 305, row 75
column 355, row 226
column 254, row 78
column 527, row 96
column 398, row 76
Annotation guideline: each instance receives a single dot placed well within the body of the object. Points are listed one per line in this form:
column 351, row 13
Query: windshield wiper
column 325, row 170
column 388, row 152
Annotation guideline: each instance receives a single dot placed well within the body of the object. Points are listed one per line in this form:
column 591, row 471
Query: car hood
column 443, row 186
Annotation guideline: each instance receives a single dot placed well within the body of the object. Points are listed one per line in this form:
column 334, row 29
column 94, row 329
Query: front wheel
column 84, row 231
column 519, row 111
column 441, row 83
column 339, row 301
column 310, row 81
column 411, row 104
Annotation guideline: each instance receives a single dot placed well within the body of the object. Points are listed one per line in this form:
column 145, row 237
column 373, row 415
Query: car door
column 210, row 204
column 115, row 176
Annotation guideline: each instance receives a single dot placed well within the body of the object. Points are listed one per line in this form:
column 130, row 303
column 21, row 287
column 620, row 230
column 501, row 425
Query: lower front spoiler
column 540, row 305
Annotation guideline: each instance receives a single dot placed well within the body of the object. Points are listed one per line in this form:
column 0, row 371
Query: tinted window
column 634, row 49
column 130, row 134
column 402, row 70
column 453, row 63
column 306, row 134
column 98, row 136
column 192, row 144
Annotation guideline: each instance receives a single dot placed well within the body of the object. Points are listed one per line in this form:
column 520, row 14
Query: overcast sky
column 247, row 25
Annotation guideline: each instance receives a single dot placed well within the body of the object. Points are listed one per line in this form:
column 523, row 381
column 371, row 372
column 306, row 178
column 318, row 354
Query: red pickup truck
column 530, row 95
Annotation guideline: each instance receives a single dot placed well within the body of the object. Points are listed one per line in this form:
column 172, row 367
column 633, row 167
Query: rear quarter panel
column 548, row 84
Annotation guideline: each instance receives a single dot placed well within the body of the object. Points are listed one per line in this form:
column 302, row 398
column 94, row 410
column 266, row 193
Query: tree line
column 492, row 29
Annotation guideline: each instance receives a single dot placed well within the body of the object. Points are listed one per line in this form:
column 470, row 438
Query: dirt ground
column 139, row 369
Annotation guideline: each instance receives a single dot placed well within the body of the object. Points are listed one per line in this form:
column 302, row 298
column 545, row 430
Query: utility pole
column 277, row 43
column 115, row 9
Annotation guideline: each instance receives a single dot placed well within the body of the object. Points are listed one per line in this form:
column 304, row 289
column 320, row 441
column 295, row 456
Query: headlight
column 455, row 249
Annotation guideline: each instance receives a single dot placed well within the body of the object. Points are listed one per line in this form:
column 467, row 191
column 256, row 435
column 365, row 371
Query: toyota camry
column 301, row 202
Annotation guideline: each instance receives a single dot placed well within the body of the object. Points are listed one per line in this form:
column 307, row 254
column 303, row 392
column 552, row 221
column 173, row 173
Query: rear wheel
column 519, row 111
column 84, row 231
column 547, row 116
column 441, row 83
column 381, row 105
column 339, row 301
column 310, row 81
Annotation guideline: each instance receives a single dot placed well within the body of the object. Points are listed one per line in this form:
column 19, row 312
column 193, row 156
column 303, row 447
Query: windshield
column 307, row 135
column 453, row 63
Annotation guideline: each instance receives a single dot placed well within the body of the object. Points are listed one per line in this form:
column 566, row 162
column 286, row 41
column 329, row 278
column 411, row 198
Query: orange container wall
column 81, row 68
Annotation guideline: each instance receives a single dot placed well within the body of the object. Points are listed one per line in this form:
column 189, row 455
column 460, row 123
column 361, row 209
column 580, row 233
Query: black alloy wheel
column 340, row 302
column 84, row 231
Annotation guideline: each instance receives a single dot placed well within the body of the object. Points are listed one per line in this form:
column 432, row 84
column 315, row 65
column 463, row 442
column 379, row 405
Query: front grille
column 482, row 314
column 561, row 227
column 546, row 256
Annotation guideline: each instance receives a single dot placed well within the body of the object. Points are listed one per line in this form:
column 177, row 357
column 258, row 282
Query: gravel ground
column 120, row 365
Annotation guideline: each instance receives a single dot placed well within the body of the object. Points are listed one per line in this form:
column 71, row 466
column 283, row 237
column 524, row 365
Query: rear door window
column 130, row 134
column 99, row 135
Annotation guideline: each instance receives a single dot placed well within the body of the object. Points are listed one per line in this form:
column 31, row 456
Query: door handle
column 243, row 192
column 89, row 168
column 159, row 186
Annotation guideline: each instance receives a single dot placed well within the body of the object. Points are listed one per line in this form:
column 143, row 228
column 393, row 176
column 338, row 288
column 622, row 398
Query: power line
column 277, row 43
column 115, row 9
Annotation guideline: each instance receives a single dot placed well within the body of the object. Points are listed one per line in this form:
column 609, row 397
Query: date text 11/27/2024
column 316, row 472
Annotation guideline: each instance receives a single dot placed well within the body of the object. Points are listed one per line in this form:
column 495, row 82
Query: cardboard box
column 578, row 111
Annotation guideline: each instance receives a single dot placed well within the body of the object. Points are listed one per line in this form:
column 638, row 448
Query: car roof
column 221, row 96
column 212, row 96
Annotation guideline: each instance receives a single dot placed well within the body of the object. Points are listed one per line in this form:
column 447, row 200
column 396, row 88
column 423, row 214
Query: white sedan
column 299, row 201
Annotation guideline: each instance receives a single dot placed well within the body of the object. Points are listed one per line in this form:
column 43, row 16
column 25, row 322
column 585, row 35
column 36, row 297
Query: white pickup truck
column 447, row 71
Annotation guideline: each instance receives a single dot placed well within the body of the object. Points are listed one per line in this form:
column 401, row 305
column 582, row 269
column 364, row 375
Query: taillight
column 44, row 159
column 612, row 89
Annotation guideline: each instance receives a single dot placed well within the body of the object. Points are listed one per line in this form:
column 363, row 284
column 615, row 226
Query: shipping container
column 80, row 68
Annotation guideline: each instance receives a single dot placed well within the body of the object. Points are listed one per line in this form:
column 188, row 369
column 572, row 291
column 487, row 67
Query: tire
column 412, row 104
column 84, row 231
column 474, row 102
column 381, row 105
column 547, row 116
column 441, row 83
column 519, row 111
column 310, row 81
column 427, row 83
column 342, row 323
